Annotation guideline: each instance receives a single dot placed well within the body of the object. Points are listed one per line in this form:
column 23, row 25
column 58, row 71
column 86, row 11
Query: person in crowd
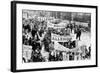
column 64, row 56
column 77, row 55
column 33, row 32
column 57, row 55
column 78, row 33
column 71, row 27
column 27, row 27
column 89, row 51
column 51, row 56
column 24, row 60
column 26, row 36
column 36, row 56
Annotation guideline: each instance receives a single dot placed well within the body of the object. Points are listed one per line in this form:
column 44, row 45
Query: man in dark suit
column 78, row 33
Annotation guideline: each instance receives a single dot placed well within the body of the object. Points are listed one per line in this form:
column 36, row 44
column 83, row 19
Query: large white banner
column 59, row 38
column 60, row 47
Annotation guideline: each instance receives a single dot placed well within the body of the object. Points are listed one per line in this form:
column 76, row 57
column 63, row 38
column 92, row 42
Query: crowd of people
column 36, row 34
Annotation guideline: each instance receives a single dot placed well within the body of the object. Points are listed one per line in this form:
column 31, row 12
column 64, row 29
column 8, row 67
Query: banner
column 27, row 50
column 60, row 47
column 56, row 26
column 59, row 38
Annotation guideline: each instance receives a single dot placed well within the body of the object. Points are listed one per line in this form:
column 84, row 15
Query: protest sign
column 27, row 50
